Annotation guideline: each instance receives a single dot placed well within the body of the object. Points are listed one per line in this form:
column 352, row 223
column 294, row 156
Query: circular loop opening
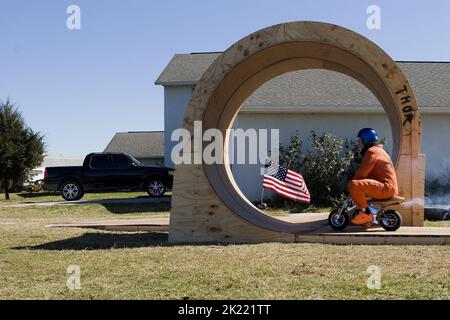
column 231, row 79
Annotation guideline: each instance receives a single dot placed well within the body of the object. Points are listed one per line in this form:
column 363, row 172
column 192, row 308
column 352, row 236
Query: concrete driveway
column 96, row 201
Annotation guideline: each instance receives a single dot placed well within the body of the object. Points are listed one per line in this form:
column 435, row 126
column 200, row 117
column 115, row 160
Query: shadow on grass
column 124, row 208
column 105, row 241
column 102, row 241
column 120, row 240
column 27, row 195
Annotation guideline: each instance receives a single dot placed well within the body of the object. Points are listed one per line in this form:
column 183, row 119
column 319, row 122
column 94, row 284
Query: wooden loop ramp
column 207, row 204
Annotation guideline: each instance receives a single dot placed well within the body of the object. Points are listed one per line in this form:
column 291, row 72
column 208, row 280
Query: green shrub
column 326, row 165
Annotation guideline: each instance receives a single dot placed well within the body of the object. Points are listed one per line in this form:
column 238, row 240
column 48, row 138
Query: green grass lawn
column 115, row 265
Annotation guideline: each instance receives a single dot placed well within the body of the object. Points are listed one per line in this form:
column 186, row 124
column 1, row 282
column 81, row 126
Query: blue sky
column 79, row 87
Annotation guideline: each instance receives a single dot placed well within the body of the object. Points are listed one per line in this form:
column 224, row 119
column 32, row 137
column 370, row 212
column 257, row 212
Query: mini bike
column 389, row 220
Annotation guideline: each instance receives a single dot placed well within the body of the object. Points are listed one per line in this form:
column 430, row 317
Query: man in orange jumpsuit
column 375, row 177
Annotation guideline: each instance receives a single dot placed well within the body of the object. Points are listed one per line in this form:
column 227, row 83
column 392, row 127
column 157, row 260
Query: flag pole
column 263, row 205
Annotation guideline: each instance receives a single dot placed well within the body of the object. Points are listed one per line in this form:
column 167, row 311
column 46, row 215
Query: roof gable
column 429, row 80
column 140, row 144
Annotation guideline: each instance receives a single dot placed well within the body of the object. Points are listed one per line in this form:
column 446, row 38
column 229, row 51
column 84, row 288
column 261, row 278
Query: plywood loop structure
column 207, row 205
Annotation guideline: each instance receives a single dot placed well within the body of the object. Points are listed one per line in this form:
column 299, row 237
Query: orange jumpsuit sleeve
column 368, row 162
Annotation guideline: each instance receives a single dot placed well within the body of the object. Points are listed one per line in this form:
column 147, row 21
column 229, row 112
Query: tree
column 21, row 149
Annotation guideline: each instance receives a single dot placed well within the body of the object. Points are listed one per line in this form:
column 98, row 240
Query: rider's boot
column 362, row 218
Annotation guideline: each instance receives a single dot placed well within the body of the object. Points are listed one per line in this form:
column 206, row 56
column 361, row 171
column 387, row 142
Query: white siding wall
column 435, row 128
column 435, row 136
column 176, row 100
column 436, row 144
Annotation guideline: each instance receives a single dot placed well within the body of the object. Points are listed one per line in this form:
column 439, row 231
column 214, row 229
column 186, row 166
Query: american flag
column 286, row 183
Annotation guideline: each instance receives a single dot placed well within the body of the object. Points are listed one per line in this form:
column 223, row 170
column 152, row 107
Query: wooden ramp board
column 403, row 236
column 320, row 232
column 314, row 229
column 127, row 225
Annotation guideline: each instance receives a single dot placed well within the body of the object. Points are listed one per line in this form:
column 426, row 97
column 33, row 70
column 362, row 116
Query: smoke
column 442, row 199
column 439, row 199
column 410, row 203
column 437, row 186
column 430, row 200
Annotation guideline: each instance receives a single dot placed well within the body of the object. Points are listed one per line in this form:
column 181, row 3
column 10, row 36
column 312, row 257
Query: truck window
column 120, row 161
column 100, row 161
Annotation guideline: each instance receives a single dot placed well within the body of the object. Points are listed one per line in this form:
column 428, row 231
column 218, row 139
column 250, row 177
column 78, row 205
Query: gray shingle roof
column 311, row 88
column 141, row 144
column 186, row 68
column 429, row 80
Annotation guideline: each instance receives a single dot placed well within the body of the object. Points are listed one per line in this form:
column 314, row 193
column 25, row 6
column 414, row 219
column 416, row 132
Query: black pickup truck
column 107, row 172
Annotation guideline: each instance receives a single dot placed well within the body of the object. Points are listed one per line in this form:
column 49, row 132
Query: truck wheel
column 71, row 191
column 156, row 187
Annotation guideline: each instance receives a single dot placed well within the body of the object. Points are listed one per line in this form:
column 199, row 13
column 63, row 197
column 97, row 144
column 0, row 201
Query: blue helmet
column 368, row 136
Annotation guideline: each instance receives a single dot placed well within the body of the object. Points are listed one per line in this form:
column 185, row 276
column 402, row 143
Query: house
column 320, row 100
column 145, row 146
